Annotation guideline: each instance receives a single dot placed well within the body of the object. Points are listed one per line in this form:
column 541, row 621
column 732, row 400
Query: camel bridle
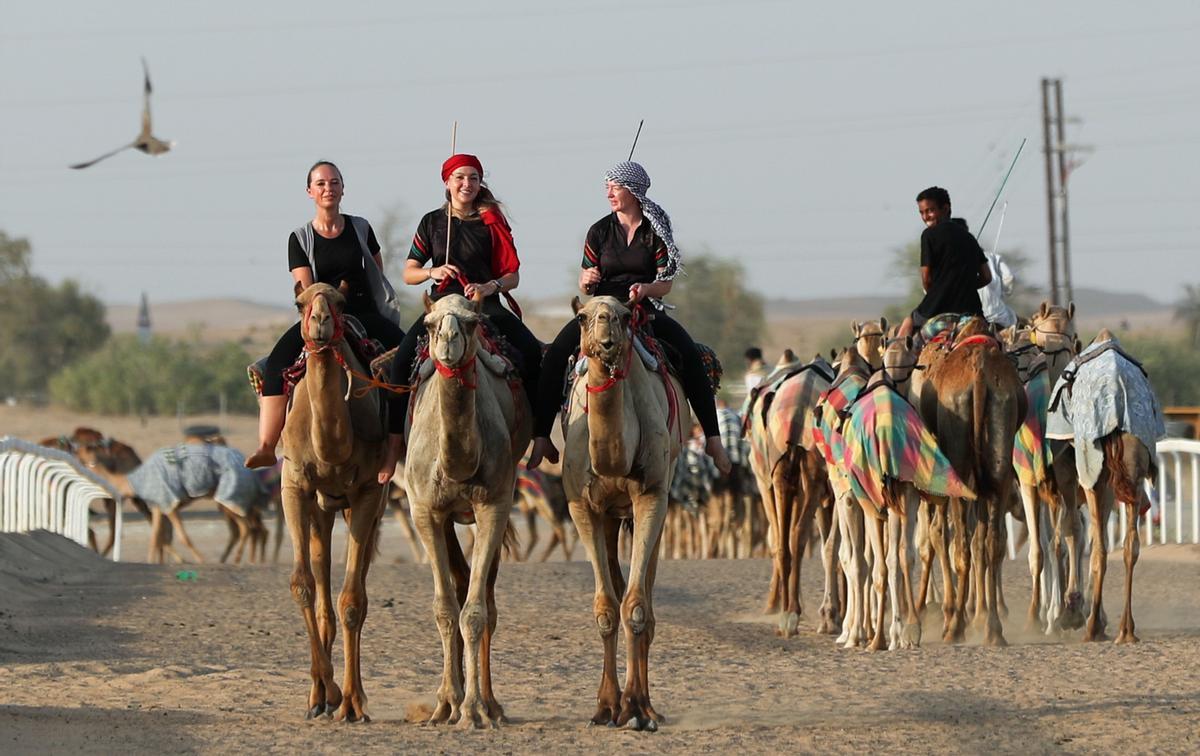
column 460, row 372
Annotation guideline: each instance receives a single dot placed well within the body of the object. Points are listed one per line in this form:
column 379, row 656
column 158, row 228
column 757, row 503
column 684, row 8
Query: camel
column 115, row 457
column 468, row 430
column 625, row 428
column 1105, row 406
column 868, row 340
column 892, row 460
column 541, row 493
column 334, row 441
column 851, row 377
column 793, row 484
column 973, row 401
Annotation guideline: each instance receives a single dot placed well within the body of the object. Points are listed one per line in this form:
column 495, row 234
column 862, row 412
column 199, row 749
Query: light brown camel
column 624, row 430
column 793, row 484
column 974, row 402
column 334, row 445
column 468, row 431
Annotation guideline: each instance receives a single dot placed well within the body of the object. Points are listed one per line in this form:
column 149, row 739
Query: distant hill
column 217, row 314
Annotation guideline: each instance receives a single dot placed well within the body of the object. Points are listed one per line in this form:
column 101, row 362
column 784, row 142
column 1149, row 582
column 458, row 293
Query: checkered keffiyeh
column 633, row 177
column 886, row 440
column 730, row 425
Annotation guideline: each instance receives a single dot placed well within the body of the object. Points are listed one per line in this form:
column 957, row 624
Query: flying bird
column 146, row 142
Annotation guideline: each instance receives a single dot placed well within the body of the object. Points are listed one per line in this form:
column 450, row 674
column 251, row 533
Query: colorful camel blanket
column 827, row 436
column 1031, row 454
column 178, row 474
column 788, row 414
column 885, row 441
column 1099, row 392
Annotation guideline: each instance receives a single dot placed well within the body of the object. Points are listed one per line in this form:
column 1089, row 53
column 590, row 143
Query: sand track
column 100, row 657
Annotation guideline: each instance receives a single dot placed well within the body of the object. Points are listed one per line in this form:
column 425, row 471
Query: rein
column 339, row 335
column 457, row 373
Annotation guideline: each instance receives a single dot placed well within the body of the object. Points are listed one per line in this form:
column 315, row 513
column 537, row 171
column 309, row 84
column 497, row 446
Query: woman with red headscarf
column 482, row 259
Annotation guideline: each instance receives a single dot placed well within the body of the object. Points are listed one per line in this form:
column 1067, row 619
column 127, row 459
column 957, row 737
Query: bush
column 158, row 378
column 1172, row 364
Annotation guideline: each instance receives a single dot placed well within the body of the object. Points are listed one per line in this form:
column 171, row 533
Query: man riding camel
column 953, row 265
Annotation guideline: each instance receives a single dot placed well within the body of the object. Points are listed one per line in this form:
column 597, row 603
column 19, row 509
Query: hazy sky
column 791, row 136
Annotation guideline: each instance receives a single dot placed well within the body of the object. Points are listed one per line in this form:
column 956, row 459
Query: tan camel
column 974, row 402
column 624, row 430
column 468, row 431
column 868, row 340
column 334, row 445
column 793, row 484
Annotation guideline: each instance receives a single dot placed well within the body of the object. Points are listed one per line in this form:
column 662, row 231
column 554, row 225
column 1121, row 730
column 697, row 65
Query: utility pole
column 1048, row 153
column 1059, row 164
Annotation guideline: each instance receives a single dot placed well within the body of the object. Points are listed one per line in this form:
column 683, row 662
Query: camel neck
column 332, row 433
column 459, row 443
column 606, row 425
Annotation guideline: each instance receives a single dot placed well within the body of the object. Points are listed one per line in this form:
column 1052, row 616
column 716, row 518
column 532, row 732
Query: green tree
column 1173, row 365
column 717, row 308
column 1188, row 310
column 47, row 327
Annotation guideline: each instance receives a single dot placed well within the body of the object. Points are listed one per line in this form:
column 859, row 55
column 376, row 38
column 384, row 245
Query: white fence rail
column 43, row 488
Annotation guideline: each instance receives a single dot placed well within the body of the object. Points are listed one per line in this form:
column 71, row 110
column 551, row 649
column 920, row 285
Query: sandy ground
column 103, row 657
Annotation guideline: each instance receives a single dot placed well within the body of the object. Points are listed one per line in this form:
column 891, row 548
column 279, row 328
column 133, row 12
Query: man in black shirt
column 953, row 266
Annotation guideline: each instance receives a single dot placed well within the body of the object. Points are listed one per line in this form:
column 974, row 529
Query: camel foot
column 638, row 715
column 1095, row 631
column 910, row 636
column 789, row 623
column 642, row 724
column 321, row 710
column 1127, row 636
column 352, row 711
column 474, row 716
column 830, row 624
column 1072, row 616
column 605, row 715
column 445, row 711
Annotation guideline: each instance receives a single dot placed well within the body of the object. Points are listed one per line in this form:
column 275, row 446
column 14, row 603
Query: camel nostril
column 607, row 343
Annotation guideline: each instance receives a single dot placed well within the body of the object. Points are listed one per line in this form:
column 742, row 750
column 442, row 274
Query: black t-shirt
column 954, row 259
column 470, row 248
column 339, row 259
column 622, row 265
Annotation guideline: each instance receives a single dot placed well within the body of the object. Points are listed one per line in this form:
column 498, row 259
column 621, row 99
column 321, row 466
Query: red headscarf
column 458, row 161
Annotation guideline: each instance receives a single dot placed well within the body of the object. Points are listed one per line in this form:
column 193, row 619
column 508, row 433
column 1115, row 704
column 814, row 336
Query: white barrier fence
column 1178, row 462
column 43, row 488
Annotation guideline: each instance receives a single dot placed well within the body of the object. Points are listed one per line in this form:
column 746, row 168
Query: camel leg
column 782, row 500
column 280, row 526
column 230, row 525
column 491, row 519
column 244, row 539
column 1073, row 614
column 956, row 600
column 1051, row 536
column 1030, row 500
column 155, row 554
column 910, row 633
column 994, row 555
column 637, row 612
column 531, row 526
column 324, row 696
column 495, row 711
column 925, row 550
column 362, row 520
column 110, row 513
column 1098, row 508
column 849, row 516
column 1000, row 530
column 788, row 505
column 1132, row 546
column 979, row 565
column 774, row 590
column 320, row 552
column 830, row 610
column 177, row 523
column 599, row 540
column 403, row 517
column 446, row 608
column 874, row 531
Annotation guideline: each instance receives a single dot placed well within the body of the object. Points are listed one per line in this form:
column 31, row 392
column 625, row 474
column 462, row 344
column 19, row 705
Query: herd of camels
column 902, row 450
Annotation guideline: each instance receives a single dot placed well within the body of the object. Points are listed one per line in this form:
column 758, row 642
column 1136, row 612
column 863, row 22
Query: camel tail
column 1114, row 464
column 979, row 440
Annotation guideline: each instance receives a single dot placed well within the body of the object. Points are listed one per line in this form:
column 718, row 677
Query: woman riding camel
column 482, row 261
column 629, row 254
column 333, row 248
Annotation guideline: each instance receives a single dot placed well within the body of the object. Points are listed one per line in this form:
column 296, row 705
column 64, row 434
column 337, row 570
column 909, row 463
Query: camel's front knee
column 606, row 617
column 637, row 616
column 304, row 587
column 445, row 615
column 472, row 620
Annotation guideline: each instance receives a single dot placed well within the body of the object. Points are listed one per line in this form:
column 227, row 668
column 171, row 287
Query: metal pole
column 1050, row 215
column 1062, row 190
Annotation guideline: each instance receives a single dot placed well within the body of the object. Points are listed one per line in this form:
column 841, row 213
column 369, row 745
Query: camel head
column 850, row 361
column 453, row 326
column 1054, row 319
column 868, row 339
column 604, row 328
column 899, row 360
column 1018, row 345
column 974, row 326
column 321, row 308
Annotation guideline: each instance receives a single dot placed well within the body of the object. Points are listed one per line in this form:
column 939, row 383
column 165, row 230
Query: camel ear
column 427, row 302
column 1078, row 345
column 1071, row 310
column 1045, row 308
column 908, row 343
column 344, row 288
column 883, row 325
column 832, row 354
column 576, row 305
column 298, row 289
column 477, row 301
column 854, row 327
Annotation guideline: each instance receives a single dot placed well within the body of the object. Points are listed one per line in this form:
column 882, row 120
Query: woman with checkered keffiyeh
column 629, row 254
